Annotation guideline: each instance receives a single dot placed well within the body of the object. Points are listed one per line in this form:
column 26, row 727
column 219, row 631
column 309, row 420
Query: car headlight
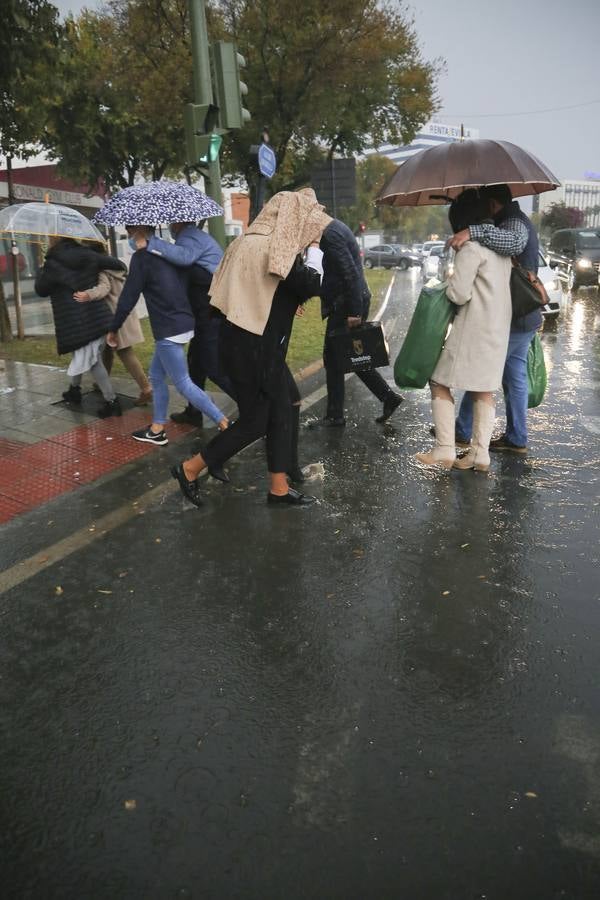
column 551, row 285
column 584, row 263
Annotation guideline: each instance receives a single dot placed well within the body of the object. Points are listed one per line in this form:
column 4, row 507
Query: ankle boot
column 444, row 450
column 478, row 457
column 294, row 471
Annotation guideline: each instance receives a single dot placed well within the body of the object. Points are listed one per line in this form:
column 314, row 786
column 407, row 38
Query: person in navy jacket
column 198, row 253
column 165, row 292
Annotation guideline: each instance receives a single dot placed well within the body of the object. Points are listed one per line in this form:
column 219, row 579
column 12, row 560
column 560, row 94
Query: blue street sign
column 267, row 161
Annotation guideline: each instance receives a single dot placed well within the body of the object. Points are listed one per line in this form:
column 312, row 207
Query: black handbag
column 527, row 293
column 359, row 349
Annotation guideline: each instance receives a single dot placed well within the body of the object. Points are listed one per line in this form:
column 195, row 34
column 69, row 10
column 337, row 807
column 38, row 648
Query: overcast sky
column 515, row 57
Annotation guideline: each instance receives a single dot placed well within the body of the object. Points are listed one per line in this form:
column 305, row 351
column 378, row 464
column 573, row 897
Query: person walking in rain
column 80, row 329
column 198, row 253
column 472, row 358
column 172, row 323
column 257, row 288
column 510, row 234
column 345, row 301
column 109, row 287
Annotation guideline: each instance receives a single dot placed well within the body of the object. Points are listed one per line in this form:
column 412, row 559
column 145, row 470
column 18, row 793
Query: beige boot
column 478, row 457
column 444, row 450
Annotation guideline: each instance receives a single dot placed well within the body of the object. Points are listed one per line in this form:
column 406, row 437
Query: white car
column 427, row 247
column 553, row 286
column 430, row 267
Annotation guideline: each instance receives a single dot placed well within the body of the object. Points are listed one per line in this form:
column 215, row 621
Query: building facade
column 583, row 194
column 430, row 135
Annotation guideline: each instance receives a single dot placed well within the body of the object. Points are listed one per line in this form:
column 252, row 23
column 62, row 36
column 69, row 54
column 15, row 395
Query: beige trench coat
column 109, row 287
column 475, row 351
column 245, row 282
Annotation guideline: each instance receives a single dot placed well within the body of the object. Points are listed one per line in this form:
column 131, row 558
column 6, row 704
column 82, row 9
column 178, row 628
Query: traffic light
column 202, row 144
column 361, row 227
column 229, row 90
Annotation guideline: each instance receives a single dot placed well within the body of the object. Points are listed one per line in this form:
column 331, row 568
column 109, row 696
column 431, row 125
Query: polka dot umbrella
column 157, row 203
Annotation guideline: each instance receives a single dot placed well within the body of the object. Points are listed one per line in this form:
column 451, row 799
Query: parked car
column 389, row 256
column 575, row 256
column 431, row 264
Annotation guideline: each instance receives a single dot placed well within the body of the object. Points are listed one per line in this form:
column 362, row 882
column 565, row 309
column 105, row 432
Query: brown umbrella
column 436, row 175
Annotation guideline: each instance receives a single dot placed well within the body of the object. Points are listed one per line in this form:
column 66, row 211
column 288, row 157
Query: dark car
column 574, row 254
column 390, row 256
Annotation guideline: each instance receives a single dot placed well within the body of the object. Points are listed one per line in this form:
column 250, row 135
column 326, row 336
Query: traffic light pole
column 203, row 95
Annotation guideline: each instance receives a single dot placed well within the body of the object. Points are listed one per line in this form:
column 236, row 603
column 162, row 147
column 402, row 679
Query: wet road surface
column 393, row 694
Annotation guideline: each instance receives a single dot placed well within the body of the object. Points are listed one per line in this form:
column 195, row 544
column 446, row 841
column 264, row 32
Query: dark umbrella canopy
column 440, row 173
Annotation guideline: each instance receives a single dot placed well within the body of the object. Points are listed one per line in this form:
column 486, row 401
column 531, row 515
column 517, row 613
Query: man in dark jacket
column 511, row 235
column 345, row 300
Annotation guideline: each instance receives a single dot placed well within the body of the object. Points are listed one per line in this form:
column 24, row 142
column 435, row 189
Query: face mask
column 131, row 242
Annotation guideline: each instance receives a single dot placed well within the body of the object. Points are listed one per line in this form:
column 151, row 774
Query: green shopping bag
column 424, row 339
column 537, row 379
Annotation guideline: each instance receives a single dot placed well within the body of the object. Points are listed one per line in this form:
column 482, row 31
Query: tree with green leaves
column 116, row 111
column 327, row 78
column 403, row 224
column 28, row 38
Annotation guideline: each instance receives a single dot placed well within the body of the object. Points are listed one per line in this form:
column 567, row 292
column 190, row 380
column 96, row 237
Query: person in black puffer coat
column 80, row 327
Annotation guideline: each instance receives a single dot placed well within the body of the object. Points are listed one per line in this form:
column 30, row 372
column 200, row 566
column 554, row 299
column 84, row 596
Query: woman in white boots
column 475, row 352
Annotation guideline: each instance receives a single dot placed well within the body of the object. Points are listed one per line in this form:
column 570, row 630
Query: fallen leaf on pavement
column 58, row 590
column 130, row 804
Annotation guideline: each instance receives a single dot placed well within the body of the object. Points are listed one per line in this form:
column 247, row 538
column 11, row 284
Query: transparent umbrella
column 37, row 223
column 44, row 220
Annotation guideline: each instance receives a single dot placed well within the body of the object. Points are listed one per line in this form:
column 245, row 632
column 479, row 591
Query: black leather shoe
column 296, row 475
column 390, row 405
column 189, row 416
column 189, row 489
column 219, row 473
column 329, row 422
column 292, row 498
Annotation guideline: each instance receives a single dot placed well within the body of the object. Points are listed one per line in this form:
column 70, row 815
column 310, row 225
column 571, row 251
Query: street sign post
column 267, row 161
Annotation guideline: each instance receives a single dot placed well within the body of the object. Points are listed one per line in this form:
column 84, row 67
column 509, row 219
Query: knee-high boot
column 478, row 456
column 444, row 450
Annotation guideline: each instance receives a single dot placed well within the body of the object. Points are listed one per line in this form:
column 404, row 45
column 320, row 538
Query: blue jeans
column 169, row 359
column 514, row 384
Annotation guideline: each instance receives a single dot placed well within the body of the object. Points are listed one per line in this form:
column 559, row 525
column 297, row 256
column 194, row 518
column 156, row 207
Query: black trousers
column 203, row 350
column 264, row 410
column 335, row 377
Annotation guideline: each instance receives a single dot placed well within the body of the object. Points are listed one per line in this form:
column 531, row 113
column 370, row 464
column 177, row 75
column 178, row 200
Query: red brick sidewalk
column 33, row 474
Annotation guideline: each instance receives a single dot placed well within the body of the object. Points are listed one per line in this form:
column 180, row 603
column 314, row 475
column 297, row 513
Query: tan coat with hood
column 254, row 264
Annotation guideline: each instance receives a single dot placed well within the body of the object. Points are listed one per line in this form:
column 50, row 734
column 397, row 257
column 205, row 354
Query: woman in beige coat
column 109, row 287
column 474, row 354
